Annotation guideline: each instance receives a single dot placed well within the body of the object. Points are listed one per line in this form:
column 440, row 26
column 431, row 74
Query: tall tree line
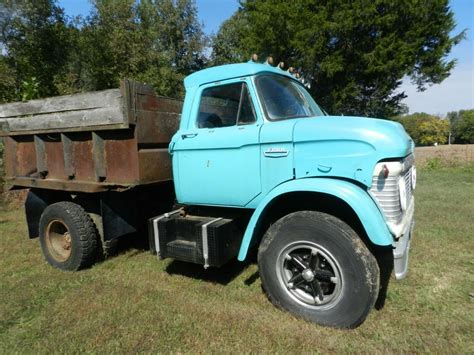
column 45, row 53
column 354, row 53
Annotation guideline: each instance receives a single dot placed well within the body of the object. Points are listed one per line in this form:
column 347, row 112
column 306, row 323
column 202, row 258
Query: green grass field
column 134, row 303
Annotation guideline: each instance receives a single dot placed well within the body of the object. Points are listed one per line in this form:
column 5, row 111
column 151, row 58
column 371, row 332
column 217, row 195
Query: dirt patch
column 446, row 155
column 13, row 199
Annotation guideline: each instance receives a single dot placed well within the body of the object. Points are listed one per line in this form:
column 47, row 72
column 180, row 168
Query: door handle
column 188, row 135
column 171, row 147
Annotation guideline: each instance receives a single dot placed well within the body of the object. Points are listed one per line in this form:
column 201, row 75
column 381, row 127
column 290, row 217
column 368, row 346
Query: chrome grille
column 385, row 191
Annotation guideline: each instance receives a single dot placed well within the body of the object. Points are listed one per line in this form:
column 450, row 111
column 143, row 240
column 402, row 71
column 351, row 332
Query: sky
column 453, row 94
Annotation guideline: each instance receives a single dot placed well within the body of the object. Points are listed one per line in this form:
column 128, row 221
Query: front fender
column 358, row 199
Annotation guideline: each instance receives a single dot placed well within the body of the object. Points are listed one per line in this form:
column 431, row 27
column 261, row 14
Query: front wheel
column 316, row 267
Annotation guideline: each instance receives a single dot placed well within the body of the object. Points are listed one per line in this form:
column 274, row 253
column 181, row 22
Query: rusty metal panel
column 147, row 102
column 41, row 165
column 155, row 165
column 64, row 185
column 121, row 157
column 156, row 127
column 9, row 156
column 21, row 152
column 98, row 155
column 54, row 157
column 82, row 156
column 67, row 155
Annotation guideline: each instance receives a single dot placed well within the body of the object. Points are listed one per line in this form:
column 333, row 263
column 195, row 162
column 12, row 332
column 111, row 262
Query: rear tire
column 68, row 236
column 317, row 268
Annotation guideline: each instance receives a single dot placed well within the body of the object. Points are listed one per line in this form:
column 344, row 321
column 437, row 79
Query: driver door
column 218, row 156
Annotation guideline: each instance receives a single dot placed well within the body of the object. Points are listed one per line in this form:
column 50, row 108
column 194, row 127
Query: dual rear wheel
column 68, row 236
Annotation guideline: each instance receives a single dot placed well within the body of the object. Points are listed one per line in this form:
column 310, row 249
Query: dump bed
column 107, row 140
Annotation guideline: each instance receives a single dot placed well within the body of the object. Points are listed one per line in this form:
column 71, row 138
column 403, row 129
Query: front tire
column 316, row 267
column 68, row 236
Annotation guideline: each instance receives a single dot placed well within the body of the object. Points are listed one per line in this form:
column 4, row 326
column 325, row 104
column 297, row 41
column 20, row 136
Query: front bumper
column 401, row 247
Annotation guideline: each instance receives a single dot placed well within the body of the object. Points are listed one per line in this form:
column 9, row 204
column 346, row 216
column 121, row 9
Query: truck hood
column 347, row 147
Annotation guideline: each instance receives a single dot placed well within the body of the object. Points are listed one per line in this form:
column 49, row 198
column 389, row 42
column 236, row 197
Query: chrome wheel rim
column 310, row 275
column 58, row 240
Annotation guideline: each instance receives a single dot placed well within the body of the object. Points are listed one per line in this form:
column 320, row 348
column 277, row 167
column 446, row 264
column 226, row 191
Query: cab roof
column 230, row 71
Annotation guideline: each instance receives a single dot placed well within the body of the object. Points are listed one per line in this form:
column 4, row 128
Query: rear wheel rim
column 310, row 275
column 58, row 240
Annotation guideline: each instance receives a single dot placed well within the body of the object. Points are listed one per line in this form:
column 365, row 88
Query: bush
column 425, row 129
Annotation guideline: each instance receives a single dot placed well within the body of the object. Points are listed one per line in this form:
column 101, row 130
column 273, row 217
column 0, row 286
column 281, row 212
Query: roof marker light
column 269, row 61
column 281, row 65
column 254, row 57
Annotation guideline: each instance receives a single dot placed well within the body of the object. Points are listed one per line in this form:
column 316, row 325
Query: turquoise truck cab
column 322, row 195
column 250, row 133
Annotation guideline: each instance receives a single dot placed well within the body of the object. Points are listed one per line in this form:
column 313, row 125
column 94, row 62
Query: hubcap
column 310, row 274
column 58, row 240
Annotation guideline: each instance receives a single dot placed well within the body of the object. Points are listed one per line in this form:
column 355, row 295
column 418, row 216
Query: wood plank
column 58, row 121
column 108, row 127
column 83, row 101
column 128, row 102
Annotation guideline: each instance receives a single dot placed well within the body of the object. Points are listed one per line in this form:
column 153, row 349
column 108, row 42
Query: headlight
column 403, row 193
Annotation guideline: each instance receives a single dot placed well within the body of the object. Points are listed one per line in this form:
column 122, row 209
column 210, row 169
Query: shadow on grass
column 384, row 256
column 222, row 275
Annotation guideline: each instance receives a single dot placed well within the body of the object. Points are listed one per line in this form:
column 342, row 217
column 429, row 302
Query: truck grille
column 387, row 195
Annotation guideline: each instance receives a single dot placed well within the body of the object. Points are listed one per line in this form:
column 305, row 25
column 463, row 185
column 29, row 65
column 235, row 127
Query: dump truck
column 247, row 161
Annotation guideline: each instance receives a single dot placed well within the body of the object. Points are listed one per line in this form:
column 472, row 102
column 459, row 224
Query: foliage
column 34, row 36
column 462, row 126
column 226, row 46
column 30, row 89
column 354, row 52
column 425, row 129
column 433, row 163
column 158, row 42
column 7, row 81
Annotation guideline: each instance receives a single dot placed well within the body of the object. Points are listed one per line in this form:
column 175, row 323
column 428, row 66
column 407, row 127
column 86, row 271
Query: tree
column 34, row 41
column 158, row 42
column 462, row 126
column 226, row 44
column 7, row 82
column 355, row 53
column 425, row 129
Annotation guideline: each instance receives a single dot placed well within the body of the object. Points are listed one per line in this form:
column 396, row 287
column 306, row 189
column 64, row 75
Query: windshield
column 285, row 98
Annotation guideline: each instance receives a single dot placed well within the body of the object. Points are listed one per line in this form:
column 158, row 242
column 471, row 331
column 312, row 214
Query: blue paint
column 247, row 166
column 358, row 199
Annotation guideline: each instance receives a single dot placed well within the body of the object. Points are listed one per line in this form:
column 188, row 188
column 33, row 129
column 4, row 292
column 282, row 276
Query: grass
column 134, row 303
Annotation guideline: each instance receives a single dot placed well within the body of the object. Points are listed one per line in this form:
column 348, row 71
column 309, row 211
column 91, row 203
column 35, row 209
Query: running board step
column 209, row 241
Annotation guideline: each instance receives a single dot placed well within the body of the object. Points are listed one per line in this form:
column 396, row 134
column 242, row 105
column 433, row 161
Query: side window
column 224, row 106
